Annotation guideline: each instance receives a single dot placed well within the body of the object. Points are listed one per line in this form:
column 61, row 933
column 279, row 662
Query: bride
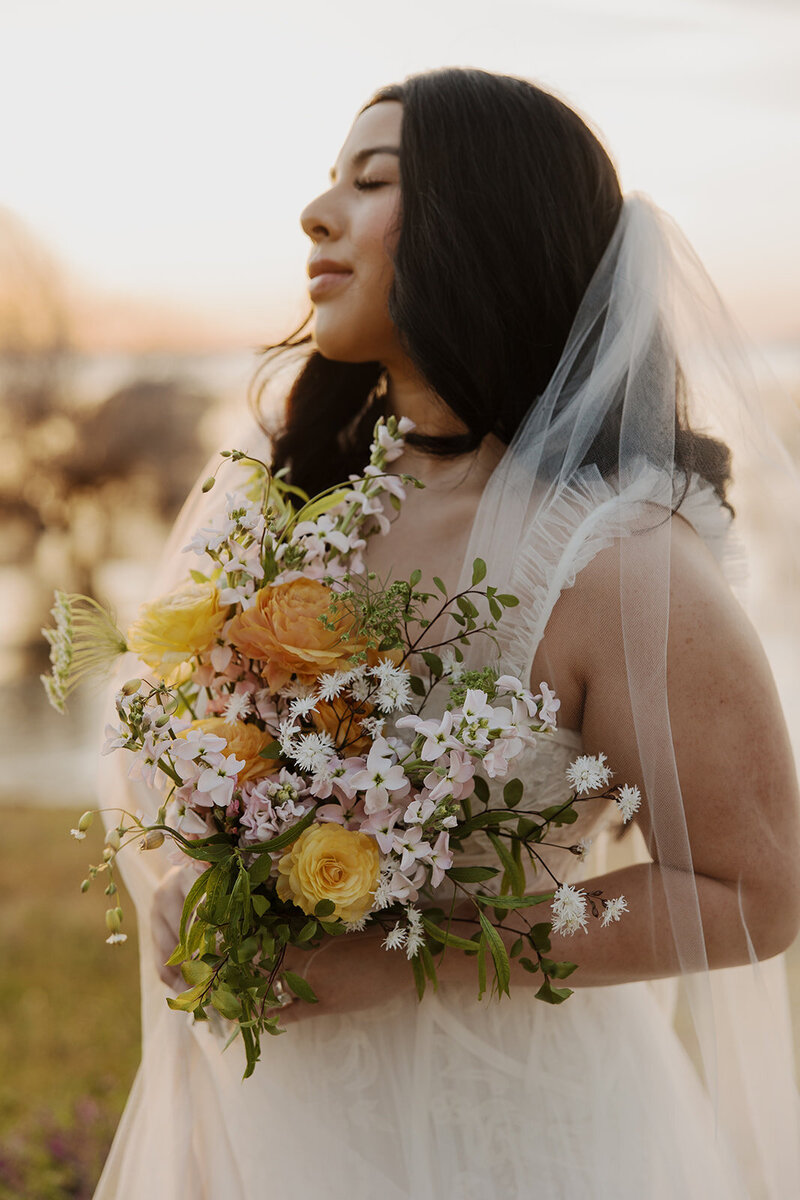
column 475, row 267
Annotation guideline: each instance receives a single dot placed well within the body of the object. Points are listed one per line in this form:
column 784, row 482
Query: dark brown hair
column 508, row 201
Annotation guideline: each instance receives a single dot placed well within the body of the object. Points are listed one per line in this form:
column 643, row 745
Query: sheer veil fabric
column 192, row 1128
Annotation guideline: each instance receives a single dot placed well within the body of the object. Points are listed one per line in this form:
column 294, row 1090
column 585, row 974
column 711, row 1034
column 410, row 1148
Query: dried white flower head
column 569, row 909
column 613, row 910
column 588, row 773
column 628, row 799
column 395, row 938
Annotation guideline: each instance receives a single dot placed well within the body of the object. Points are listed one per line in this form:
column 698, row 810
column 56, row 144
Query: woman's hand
column 165, row 922
column 348, row 972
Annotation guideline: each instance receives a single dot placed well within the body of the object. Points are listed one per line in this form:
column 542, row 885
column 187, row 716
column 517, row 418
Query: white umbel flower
column 569, row 909
column 416, row 939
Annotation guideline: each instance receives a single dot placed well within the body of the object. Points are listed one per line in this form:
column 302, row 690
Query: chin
column 344, row 344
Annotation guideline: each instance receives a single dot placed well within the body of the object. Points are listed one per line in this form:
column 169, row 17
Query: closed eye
column 364, row 185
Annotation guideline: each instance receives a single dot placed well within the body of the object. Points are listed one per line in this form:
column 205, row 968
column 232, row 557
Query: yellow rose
column 342, row 719
column 283, row 632
column 329, row 862
column 244, row 742
column 174, row 628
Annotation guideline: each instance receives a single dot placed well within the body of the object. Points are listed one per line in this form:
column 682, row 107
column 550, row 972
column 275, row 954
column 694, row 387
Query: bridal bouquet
column 267, row 720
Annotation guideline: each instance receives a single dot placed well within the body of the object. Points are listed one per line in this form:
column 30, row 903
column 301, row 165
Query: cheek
column 355, row 326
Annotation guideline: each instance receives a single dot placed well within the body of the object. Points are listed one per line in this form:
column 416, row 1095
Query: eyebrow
column 362, row 155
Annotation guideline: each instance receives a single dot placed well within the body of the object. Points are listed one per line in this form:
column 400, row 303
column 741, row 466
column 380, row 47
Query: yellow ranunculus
column 342, row 719
column 244, row 742
column 283, row 632
column 329, row 862
column 174, row 628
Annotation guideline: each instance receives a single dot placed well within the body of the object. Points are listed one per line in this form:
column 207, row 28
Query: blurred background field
column 149, row 242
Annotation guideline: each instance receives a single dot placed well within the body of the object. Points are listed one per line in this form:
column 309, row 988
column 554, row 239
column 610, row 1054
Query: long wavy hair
column 507, row 203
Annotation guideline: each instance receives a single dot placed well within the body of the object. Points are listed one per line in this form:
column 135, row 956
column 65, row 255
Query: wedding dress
column 448, row 1098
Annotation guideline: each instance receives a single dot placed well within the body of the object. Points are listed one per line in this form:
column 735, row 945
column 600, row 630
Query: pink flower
column 440, row 858
column 455, row 780
column 380, row 825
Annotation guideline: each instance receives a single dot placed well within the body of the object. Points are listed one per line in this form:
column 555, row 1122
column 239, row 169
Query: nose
column 318, row 219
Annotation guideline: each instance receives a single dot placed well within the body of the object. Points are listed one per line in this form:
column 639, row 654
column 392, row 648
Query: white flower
column 373, row 726
column 416, row 939
column 238, row 706
column 115, row 738
column 453, row 669
column 380, row 777
column 587, row 773
column 330, row 684
column 114, row 938
column 548, row 706
column 355, row 926
column 613, row 910
column 78, row 834
column 628, row 801
column 414, row 917
column 301, row 706
column 410, row 844
column 582, row 848
column 395, row 938
column 569, row 909
column 312, row 751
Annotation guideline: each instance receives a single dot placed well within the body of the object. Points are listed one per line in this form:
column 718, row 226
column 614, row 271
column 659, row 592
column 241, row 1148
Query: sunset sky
column 164, row 150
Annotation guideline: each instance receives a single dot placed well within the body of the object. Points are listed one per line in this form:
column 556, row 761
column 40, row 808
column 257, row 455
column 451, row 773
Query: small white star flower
column 416, row 939
column 78, row 834
column 114, row 938
column 238, row 706
column 613, row 910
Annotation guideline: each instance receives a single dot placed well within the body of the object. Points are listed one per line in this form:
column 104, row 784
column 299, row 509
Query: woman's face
column 353, row 225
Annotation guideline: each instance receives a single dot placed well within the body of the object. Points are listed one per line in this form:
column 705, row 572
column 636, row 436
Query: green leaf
column 226, row 1003
column 419, row 971
column 472, row 874
column 195, row 971
column 307, row 932
column 516, row 948
column 260, row 869
column 478, row 571
column 433, row 662
column 429, row 965
column 481, row 789
column 466, row 606
column 440, row 585
column 481, row 966
column 288, row 836
column 260, row 905
column 507, row 600
column 512, row 792
column 415, row 577
column 507, row 902
column 417, row 686
column 300, row 987
column 552, row 995
column 199, row 577
column 271, row 750
column 187, row 1001
column 495, row 609
column 514, row 870
column 540, row 935
column 197, row 889
column 499, row 954
column 558, row 970
column 448, row 939
column 324, row 908
column 528, row 965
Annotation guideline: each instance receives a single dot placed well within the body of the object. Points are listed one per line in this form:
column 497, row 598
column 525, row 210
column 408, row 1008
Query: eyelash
column 366, row 184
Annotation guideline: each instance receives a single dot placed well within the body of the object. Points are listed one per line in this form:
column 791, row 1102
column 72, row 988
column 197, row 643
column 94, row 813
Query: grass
column 70, row 1033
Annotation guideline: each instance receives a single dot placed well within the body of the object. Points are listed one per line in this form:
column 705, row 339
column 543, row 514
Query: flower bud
column 113, row 919
column 209, row 483
column 111, row 890
column 85, row 821
column 86, row 885
column 130, row 687
column 108, row 854
column 151, row 840
column 112, row 839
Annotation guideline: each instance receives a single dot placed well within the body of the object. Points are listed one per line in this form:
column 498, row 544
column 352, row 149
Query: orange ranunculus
column 283, row 632
column 245, row 741
column 341, row 718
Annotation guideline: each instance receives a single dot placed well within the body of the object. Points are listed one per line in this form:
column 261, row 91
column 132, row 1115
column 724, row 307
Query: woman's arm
column 733, row 757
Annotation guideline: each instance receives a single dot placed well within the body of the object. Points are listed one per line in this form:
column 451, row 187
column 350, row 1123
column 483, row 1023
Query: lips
column 326, row 266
